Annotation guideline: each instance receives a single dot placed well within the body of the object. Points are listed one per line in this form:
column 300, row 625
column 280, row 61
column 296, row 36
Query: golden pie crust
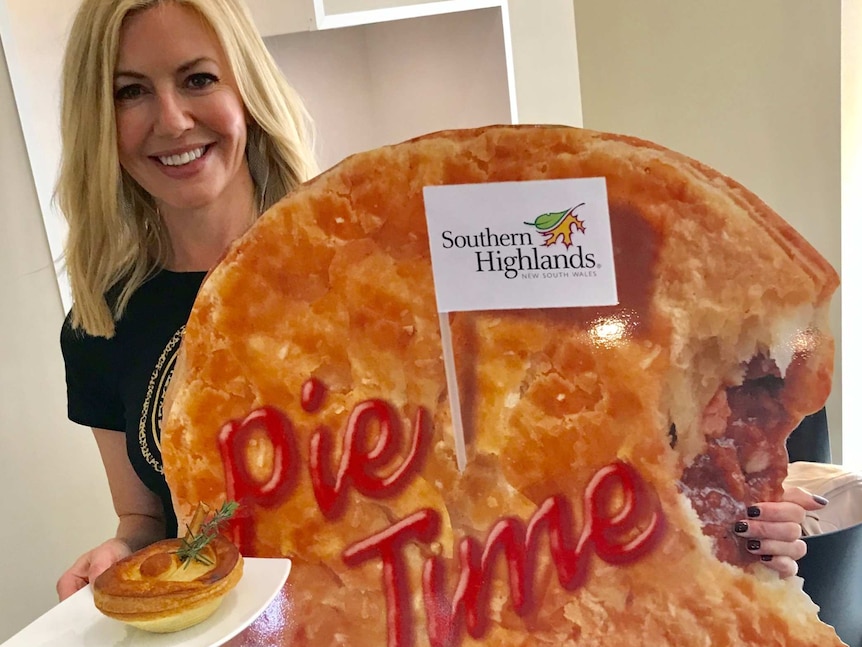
column 154, row 590
column 721, row 304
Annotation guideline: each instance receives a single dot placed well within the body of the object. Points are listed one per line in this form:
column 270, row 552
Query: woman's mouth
column 183, row 158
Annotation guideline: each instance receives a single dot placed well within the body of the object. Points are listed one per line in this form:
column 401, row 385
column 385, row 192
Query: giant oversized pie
column 611, row 448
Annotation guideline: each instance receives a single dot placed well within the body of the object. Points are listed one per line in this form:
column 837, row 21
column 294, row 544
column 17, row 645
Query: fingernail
column 753, row 511
column 753, row 544
column 766, row 558
column 820, row 499
column 740, row 526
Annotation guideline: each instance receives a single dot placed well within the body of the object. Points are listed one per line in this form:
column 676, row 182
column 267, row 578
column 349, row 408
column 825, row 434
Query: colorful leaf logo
column 558, row 226
column 548, row 221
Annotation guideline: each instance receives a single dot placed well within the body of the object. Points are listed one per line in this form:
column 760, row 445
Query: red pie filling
column 745, row 459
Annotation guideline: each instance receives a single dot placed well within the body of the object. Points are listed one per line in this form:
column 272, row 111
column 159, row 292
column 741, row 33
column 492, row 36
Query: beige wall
column 546, row 62
column 851, row 226
column 55, row 499
column 751, row 88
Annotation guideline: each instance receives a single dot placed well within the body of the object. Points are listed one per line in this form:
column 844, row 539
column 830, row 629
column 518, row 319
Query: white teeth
column 182, row 158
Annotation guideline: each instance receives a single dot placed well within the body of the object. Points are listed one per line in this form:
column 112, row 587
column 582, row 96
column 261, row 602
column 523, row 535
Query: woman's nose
column 173, row 115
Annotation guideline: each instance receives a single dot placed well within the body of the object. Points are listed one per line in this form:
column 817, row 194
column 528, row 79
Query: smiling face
column 181, row 126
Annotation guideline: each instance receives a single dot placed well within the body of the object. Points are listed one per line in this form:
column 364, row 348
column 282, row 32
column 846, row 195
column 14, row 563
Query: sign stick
column 452, row 387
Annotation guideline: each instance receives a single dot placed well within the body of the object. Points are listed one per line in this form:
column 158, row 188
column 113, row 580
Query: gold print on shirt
column 150, row 424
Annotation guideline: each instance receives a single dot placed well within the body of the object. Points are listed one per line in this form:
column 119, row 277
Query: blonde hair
column 116, row 237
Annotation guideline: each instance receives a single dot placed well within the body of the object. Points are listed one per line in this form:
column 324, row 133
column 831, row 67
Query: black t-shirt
column 120, row 383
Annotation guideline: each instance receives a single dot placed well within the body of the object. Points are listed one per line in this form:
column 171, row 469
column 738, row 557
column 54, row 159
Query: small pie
column 154, row 590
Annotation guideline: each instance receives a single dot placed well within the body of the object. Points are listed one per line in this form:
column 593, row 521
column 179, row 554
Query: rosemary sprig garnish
column 192, row 545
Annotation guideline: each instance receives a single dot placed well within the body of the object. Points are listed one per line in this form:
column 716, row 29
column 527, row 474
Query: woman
column 178, row 131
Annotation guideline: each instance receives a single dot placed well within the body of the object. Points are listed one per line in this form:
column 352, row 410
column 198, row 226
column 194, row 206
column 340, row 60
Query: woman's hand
column 90, row 565
column 773, row 530
column 141, row 520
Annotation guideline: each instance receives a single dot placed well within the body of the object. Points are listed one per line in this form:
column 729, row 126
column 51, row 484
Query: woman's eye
column 128, row 92
column 201, row 80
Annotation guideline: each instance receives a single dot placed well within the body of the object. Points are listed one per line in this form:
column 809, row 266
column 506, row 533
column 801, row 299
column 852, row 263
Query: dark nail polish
column 740, row 526
column 766, row 558
column 820, row 499
column 753, row 544
column 753, row 511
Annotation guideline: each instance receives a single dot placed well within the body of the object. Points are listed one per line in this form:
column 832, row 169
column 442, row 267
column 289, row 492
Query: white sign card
column 517, row 245
column 511, row 245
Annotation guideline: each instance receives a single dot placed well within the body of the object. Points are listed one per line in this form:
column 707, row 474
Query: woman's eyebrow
column 185, row 67
column 134, row 75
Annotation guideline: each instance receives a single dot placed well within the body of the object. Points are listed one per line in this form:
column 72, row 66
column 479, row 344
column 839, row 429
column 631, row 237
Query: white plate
column 76, row 622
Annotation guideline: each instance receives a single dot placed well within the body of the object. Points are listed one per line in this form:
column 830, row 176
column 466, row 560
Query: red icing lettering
column 623, row 520
column 313, row 392
column 387, row 545
column 617, row 536
column 359, row 466
column 240, row 485
column 471, row 592
column 634, row 530
column 359, row 463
